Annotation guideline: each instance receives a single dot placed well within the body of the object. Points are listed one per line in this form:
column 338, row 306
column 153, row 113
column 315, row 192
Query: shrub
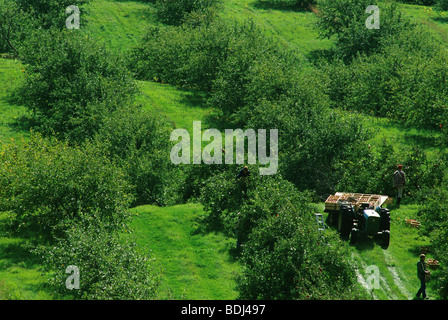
column 441, row 5
column 346, row 20
column 71, row 84
column 138, row 141
column 373, row 170
column 51, row 13
column 109, row 267
column 15, row 24
column 256, row 68
column 174, row 12
column 397, row 82
column 186, row 56
column 46, row 184
column 435, row 225
column 238, row 206
column 287, row 258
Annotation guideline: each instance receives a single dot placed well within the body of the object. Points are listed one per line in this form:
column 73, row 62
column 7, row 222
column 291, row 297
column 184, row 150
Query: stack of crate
column 357, row 199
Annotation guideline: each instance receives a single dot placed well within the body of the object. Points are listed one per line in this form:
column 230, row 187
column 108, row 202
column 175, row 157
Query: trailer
column 356, row 215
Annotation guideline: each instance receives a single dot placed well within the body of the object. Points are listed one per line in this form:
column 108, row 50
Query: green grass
column 119, row 24
column 437, row 22
column 21, row 277
column 294, row 29
column 402, row 136
column 181, row 107
column 195, row 263
column 11, row 74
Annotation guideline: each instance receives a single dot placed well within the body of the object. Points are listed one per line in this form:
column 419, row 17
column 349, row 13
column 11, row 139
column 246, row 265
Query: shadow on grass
column 424, row 138
column 322, row 56
column 281, row 6
column 440, row 19
column 193, row 98
column 17, row 253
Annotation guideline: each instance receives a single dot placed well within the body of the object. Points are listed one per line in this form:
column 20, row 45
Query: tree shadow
column 440, row 19
column 364, row 243
column 281, row 6
column 17, row 254
column 319, row 56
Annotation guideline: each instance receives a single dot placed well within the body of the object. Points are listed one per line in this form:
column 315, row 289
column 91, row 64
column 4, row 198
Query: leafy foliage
column 346, row 20
column 72, row 83
column 398, row 81
column 15, row 24
column 46, row 184
column 287, row 258
column 50, row 13
column 175, row 12
column 284, row 255
column 109, row 268
column 139, row 142
column 441, row 5
column 287, row 4
column 374, row 168
column 20, row 18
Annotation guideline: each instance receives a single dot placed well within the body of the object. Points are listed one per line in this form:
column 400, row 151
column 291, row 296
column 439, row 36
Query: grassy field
column 195, row 263
column 11, row 73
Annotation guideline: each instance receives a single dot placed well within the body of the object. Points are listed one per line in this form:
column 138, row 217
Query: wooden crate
column 413, row 223
column 332, row 202
column 357, row 199
column 432, row 263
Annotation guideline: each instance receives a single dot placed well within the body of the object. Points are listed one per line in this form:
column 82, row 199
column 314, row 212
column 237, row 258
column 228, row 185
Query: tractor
column 355, row 217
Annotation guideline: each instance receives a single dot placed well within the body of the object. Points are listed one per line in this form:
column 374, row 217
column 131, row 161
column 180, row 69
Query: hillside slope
column 197, row 264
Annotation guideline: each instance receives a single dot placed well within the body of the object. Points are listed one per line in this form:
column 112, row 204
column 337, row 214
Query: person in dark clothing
column 244, row 173
column 399, row 183
column 421, row 273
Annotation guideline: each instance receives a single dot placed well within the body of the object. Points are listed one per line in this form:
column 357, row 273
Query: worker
column 422, row 272
column 244, row 173
column 399, row 183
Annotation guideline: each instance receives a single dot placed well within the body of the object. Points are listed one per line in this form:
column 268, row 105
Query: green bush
column 434, row 220
column 175, row 12
column 109, row 267
column 419, row 2
column 46, row 184
column 283, row 254
column 346, row 20
column 51, row 13
column 139, row 142
column 72, row 83
column 238, row 206
column 256, row 68
column 287, row 258
column 398, row 81
column 441, row 5
column 374, row 168
column 15, row 25
column 20, row 18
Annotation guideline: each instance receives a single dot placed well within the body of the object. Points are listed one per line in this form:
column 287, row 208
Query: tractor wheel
column 354, row 236
column 385, row 239
column 345, row 222
column 385, row 219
